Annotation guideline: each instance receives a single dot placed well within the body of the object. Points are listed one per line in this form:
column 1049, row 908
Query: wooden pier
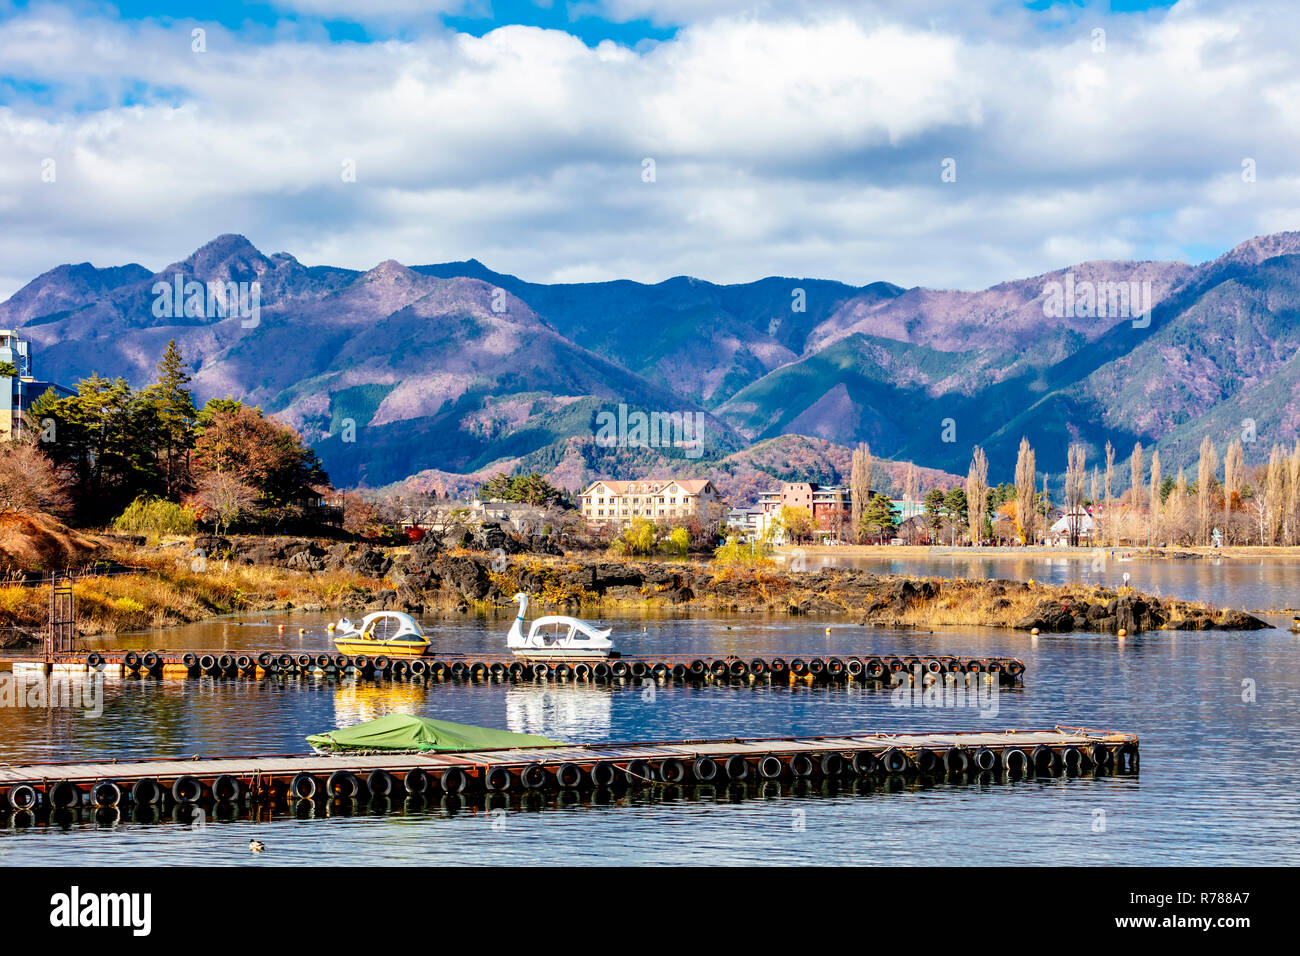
column 478, row 668
column 273, row 778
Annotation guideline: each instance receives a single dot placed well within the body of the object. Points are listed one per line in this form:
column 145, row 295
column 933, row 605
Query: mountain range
column 435, row 375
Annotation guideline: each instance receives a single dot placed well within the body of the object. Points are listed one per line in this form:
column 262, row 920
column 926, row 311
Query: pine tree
column 172, row 407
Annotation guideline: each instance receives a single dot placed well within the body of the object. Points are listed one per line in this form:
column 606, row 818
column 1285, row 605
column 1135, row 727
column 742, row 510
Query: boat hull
column 560, row 654
column 391, row 648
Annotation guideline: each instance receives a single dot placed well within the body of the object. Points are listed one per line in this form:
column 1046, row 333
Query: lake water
column 1219, row 782
column 1255, row 583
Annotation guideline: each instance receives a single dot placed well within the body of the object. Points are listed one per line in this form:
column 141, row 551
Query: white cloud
column 808, row 147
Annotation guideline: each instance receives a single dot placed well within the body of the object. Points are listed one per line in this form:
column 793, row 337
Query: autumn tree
column 1157, row 497
column 239, row 440
column 1234, row 476
column 977, row 486
column 29, row 482
column 1026, row 470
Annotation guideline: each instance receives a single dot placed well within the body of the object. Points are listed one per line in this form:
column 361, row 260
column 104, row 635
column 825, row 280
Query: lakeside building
column 19, row 392
column 663, row 499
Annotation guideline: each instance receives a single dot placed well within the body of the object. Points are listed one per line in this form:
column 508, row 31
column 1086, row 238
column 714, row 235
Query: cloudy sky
column 786, row 138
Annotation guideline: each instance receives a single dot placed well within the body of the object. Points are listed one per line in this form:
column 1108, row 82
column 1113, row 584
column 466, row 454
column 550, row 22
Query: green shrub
column 155, row 516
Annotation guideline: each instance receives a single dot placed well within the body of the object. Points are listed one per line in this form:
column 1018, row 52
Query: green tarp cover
column 405, row 732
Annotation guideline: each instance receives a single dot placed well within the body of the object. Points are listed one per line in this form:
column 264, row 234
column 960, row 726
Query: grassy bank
column 170, row 591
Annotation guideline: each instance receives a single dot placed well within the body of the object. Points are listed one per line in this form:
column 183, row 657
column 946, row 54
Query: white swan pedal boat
column 556, row 637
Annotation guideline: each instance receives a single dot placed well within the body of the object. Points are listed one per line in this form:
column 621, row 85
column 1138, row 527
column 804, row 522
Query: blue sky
column 799, row 137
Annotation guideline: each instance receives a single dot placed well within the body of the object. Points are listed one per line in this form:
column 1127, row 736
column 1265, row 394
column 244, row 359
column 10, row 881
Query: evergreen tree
column 172, row 406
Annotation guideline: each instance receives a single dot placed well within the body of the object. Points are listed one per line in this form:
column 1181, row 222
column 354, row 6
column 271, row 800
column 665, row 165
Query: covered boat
column 407, row 732
column 383, row 632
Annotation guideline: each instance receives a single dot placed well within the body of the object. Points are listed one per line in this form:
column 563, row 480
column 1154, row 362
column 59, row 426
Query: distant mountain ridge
column 452, row 369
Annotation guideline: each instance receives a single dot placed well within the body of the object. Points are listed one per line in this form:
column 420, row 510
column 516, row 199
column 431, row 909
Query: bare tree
column 1275, row 495
column 860, row 486
column 1153, row 527
column 1110, row 487
column 1075, row 469
column 224, row 497
column 1136, row 470
column 29, row 482
column 977, row 487
column 911, row 483
column 1234, row 474
column 1026, row 471
column 1205, row 471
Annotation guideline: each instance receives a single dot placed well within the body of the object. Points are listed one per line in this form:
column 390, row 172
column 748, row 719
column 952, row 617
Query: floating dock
column 470, row 667
column 346, row 776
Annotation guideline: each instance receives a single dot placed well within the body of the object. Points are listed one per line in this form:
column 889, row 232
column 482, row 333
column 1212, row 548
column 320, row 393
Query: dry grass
column 172, row 592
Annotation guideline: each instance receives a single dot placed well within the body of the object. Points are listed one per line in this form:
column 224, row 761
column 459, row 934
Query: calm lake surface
column 1257, row 584
column 1219, row 784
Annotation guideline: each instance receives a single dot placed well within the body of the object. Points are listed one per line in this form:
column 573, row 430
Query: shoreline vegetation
column 168, row 586
column 1037, row 551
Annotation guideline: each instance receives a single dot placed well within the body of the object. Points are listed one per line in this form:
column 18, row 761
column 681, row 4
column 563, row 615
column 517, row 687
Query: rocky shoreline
column 430, row 577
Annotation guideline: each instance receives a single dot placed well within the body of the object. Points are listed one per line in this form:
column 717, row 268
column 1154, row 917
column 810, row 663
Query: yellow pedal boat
column 383, row 632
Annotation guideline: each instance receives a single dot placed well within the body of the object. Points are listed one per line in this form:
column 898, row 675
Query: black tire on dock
column 438, row 670
column 187, row 788
column 718, row 668
column 362, row 663
column 932, row 666
column 190, row 659
column 1015, row 669
column 798, row 667
column 855, row 668
column 341, row 661
column 459, row 670
column 479, row 671
column 638, row 772
column 780, row 668
column 226, row 662
column 415, row 782
column 835, row 667
column 1073, row 758
column 94, row 659
column 265, row 660
column 542, row 670
column 1045, row 759
column 1015, row 760
column 699, row 669
column 23, row 796
column 816, row 667
column 620, row 670
column 680, row 671
column 418, row 669
column 302, row 786
column 533, row 776
column 498, row 669
column 985, row 760
column 286, row 662
column 738, row 670
column 568, row 776
column 227, row 788
column 672, row 770
column 801, row 765
column 516, row 670
column 582, row 672
column 974, row 666
column 865, row 763
column 63, row 795
column 151, row 660
column 106, row 793
column 380, row 783
column 1102, row 756
column 770, row 767
column 894, row 760
column 1128, row 755
column 705, row 769
column 660, row 671
column 304, row 661
column 382, row 666
column 875, row 668
column 324, row 661
column 146, row 791
column 207, row 663
column 639, row 669
column 342, row 785
column 563, row 671
column 927, row 761
column 758, row 667
column 831, row 764
column 244, row 663
column 131, row 659
column 735, row 767
column 497, row 778
column 603, row 774
column 894, row 665
column 400, row 669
